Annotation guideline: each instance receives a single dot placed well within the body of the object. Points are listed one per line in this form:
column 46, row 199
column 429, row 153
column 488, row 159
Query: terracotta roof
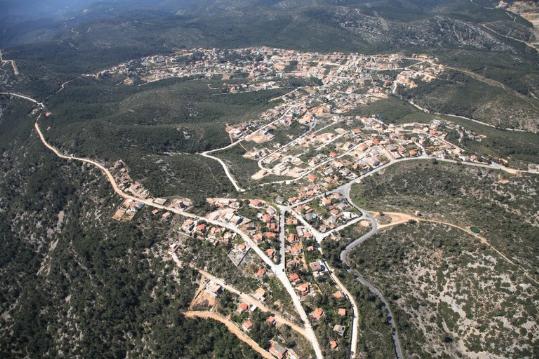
column 247, row 325
column 293, row 277
column 260, row 272
column 243, row 307
column 317, row 313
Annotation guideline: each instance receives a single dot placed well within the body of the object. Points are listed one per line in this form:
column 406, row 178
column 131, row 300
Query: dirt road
column 231, row 328
column 404, row 218
column 247, row 298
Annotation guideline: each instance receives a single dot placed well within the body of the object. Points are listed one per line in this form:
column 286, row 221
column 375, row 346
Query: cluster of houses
column 337, row 326
column 263, row 67
column 264, row 230
column 298, row 241
column 204, row 231
column 333, row 154
column 366, row 145
column 208, row 297
column 328, row 212
column 257, row 130
column 254, row 217
column 281, row 352
column 276, row 348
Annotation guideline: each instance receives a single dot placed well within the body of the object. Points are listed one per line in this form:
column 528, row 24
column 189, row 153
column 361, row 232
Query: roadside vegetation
column 451, row 295
column 155, row 129
column 77, row 283
column 459, row 94
column 374, row 329
column 502, row 206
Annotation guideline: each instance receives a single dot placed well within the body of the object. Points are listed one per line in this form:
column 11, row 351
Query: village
column 322, row 160
column 287, row 242
column 314, row 142
column 265, row 68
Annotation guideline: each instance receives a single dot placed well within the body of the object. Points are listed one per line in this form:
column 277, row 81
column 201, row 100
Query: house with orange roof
column 277, row 350
column 257, row 237
column 270, row 320
column 201, row 227
column 291, row 221
column 260, row 272
column 292, row 238
column 247, row 325
column 296, row 249
column 243, row 307
column 266, row 218
column 317, row 314
column 326, row 201
column 303, row 289
column 256, row 203
column 293, row 277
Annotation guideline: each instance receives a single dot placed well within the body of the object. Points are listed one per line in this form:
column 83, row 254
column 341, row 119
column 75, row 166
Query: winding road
column 249, row 299
column 344, row 257
column 279, row 269
column 208, row 154
column 276, row 269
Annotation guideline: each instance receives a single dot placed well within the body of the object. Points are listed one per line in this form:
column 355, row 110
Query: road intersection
column 279, row 268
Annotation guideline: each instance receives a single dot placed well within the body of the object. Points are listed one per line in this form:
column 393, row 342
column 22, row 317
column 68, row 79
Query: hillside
column 309, row 179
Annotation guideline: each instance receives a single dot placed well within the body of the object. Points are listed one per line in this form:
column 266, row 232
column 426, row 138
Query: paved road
column 344, row 257
column 394, row 331
column 277, row 270
column 355, row 319
column 345, row 188
column 481, row 239
column 282, row 237
column 225, row 167
column 40, row 104
column 208, row 154
column 465, row 118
